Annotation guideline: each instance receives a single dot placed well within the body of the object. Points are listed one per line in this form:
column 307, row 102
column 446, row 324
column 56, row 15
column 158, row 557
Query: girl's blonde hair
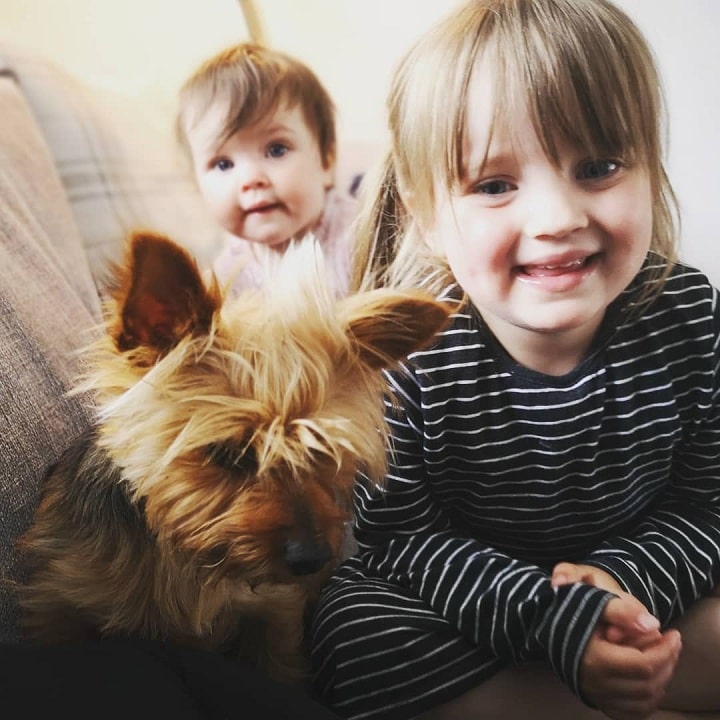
column 582, row 70
column 252, row 81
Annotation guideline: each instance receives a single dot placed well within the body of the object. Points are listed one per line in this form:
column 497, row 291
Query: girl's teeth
column 557, row 267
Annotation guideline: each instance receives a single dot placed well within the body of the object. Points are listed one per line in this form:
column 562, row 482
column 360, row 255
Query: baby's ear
column 159, row 295
column 330, row 160
column 330, row 157
column 329, row 172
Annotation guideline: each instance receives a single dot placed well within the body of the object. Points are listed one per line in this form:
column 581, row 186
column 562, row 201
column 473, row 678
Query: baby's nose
column 251, row 175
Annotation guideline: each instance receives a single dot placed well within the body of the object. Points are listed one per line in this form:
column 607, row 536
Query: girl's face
column 540, row 250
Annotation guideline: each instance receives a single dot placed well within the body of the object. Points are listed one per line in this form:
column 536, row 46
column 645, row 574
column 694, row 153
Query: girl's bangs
column 579, row 87
column 567, row 109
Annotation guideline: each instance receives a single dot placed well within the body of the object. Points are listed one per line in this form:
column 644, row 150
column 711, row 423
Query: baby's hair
column 252, row 81
column 583, row 71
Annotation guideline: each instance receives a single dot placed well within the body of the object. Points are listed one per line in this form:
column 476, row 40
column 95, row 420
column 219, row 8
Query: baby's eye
column 493, row 187
column 597, row 169
column 221, row 164
column 277, row 150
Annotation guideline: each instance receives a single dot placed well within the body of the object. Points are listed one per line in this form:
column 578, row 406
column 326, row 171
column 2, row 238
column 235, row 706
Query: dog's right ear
column 388, row 325
column 160, row 296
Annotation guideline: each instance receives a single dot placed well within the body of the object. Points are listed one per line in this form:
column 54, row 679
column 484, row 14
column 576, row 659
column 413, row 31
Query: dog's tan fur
column 211, row 501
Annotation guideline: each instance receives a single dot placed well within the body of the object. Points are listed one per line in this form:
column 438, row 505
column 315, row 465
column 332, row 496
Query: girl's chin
column 581, row 322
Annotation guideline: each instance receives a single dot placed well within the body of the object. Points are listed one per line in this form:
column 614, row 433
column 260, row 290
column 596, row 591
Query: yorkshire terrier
column 210, row 501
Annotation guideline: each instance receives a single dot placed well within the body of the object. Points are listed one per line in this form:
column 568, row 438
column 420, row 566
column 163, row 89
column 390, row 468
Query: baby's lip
column 261, row 206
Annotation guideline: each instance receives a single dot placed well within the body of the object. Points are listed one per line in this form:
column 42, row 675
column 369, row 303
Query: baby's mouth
column 259, row 209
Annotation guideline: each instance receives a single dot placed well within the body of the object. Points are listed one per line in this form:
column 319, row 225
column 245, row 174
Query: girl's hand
column 627, row 682
column 565, row 573
column 637, row 631
column 628, row 662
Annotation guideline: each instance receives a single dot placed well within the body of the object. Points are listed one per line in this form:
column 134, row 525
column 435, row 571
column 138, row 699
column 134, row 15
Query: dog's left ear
column 388, row 325
column 159, row 294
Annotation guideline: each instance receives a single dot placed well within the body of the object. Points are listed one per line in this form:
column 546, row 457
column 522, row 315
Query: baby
column 259, row 129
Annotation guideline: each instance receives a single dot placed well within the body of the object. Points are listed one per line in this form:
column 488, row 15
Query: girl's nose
column 556, row 210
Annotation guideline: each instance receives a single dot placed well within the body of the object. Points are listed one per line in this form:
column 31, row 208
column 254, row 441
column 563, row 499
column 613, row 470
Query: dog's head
column 240, row 422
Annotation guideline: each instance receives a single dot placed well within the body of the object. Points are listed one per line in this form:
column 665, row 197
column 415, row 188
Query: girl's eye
column 277, row 150
column 597, row 169
column 493, row 187
column 222, row 164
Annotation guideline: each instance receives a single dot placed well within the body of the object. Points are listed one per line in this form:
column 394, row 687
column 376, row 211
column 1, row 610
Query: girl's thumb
column 628, row 613
column 563, row 574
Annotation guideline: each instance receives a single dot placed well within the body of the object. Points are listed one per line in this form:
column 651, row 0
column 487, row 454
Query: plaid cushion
column 120, row 171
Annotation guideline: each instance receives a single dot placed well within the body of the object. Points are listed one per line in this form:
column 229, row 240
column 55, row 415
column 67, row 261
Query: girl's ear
column 434, row 243
column 410, row 203
column 425, row 228
column 408, row 200
column 413, row 205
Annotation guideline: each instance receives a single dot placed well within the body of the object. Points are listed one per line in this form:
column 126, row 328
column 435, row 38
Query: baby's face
column 266, row 183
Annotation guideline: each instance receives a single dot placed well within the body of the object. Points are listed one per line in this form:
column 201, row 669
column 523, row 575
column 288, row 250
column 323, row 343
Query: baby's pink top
column 238, row 261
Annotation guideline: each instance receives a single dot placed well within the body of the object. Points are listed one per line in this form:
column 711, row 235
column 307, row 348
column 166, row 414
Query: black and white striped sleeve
column 673, row 556
column 503, row 605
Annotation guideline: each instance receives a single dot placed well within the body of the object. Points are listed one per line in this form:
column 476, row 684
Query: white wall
column 146, row 47
column 684, row 36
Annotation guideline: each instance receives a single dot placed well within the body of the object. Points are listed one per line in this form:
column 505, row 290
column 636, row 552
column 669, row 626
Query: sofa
column 78, row 170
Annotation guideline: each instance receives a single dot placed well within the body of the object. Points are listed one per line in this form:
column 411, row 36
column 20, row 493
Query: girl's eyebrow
column 487, row 164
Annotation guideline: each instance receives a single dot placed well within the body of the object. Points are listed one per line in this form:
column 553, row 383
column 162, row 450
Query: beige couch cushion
column 120, row 170
column 48, row 304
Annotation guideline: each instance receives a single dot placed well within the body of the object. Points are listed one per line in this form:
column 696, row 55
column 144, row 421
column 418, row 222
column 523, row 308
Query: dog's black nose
column 304, row 557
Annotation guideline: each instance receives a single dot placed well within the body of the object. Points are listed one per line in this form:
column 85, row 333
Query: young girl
column 258, row 127
column 549, row 533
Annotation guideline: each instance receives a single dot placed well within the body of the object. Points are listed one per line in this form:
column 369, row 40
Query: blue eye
column 277, row 150
column 222, row 164
column 597, row 169
column 493, row 187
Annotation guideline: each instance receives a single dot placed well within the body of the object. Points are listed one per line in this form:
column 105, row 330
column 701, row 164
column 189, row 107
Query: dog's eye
column 233, row 457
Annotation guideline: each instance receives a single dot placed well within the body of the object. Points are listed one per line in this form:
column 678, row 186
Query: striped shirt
column 498, row 472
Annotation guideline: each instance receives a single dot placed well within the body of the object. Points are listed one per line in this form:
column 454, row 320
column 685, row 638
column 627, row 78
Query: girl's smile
column 541, row 247
column 558, row 274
